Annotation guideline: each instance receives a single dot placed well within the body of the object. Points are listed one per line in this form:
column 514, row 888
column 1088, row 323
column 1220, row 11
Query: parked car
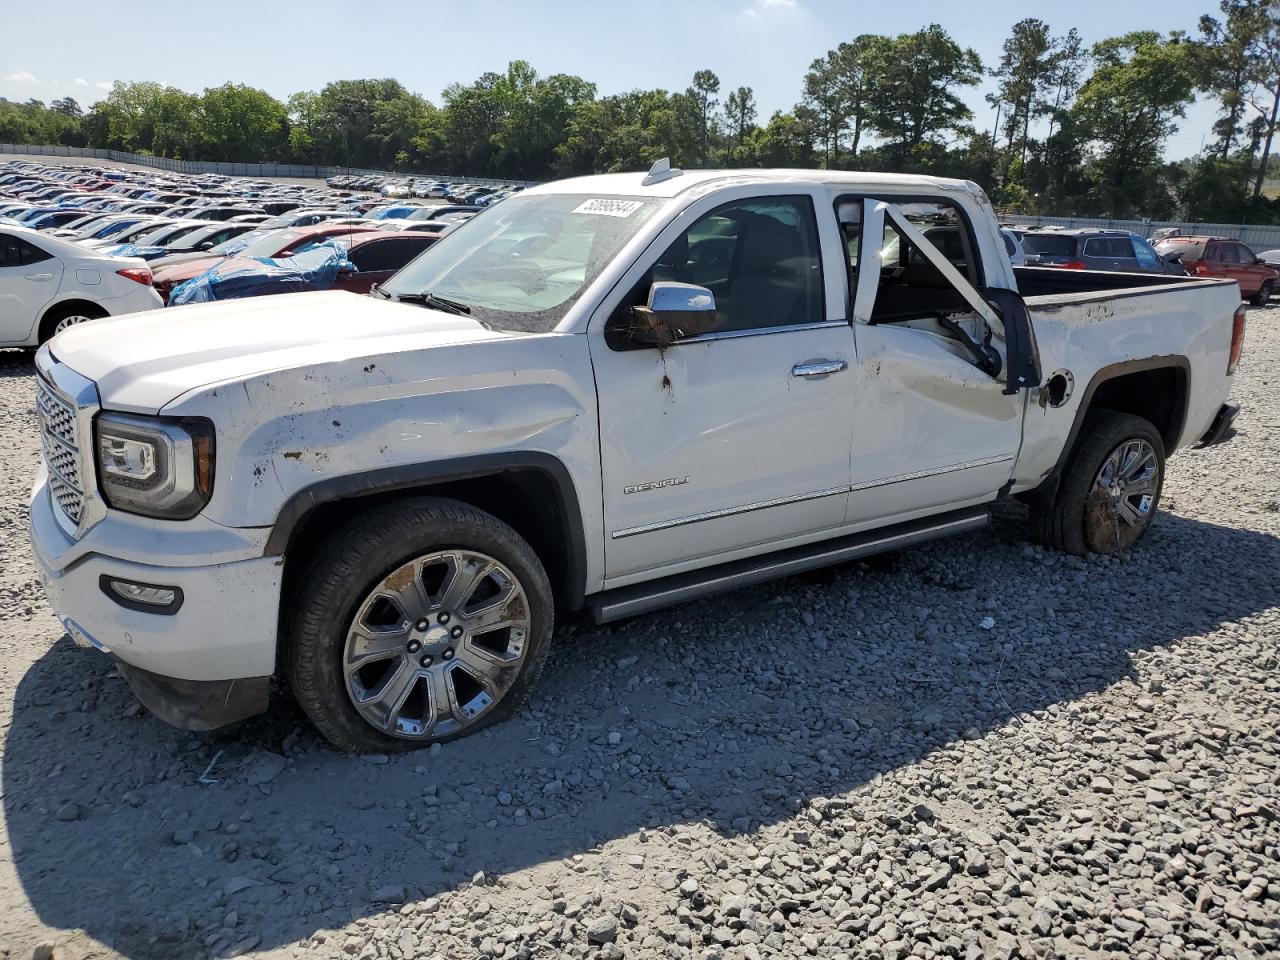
column 272, row 244
column 1224, row 257
column 391, row 499
column 1013, row 246
column 1093, row 249
column 48, row 284
column 377, row 257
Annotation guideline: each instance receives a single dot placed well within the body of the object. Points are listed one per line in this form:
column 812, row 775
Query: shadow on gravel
column 738, row 711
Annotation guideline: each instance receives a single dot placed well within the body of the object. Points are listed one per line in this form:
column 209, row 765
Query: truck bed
column 1054, row 281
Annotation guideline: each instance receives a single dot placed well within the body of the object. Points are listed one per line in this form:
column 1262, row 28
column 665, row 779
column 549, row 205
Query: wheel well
column 1158, row 395
column 527, row 499
column 1155, row 390
column 65, row 307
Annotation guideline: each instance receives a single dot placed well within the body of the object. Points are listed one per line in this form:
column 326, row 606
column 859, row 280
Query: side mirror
column 1259, row 262
column 674, row 312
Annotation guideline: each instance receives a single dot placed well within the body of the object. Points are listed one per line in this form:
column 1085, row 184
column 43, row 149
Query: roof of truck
column 678, row 182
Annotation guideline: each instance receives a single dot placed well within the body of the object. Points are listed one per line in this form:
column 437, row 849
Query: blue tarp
column 315, row 268
column 133, row 250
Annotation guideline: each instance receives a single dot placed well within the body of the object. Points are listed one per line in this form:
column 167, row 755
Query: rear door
column 934, row 427
column 1110, row 253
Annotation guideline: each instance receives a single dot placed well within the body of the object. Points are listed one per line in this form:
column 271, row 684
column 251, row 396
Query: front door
column 933, row 427
column 735, row 441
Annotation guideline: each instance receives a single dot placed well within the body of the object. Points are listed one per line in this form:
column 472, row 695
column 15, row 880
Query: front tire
column 418, row 622
column 1110, row 490
column 1263, row 296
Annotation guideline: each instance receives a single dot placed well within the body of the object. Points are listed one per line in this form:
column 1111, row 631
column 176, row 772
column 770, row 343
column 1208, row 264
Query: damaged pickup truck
column 612, row 393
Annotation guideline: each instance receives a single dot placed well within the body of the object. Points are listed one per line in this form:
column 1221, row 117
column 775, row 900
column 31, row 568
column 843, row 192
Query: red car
column 377, row 256
column 281, row 243
column 1223, row 257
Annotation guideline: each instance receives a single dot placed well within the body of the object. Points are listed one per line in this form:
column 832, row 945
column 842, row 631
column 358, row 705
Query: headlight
column 155, row 466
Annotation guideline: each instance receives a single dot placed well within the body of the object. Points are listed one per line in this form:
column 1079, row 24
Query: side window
column 759, row 257
column 1148, row 259
column 1110, row 248
column 386, row 254
column 1216, row 252
column 1244, row 254
column 10, row 251
column 911, row 287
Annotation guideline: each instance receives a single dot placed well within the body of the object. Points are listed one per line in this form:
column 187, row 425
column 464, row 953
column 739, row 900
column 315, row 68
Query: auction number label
column 609, row 208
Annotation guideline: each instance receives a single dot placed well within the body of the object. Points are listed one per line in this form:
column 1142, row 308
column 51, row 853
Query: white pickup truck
column 616, row 392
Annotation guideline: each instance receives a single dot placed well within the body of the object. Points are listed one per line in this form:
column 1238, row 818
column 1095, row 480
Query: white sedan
column 47, row 284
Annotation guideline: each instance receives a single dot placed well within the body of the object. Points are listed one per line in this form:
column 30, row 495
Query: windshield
column 258, row 242
column 521, row 265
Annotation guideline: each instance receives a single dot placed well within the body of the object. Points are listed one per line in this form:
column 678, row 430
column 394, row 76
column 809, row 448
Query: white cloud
column 768, row 6
column 103, row 84
column 24, row 78
column 80, row 82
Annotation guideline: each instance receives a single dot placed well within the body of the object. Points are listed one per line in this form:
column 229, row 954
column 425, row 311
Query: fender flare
column 408, row 477
column 1114, row 371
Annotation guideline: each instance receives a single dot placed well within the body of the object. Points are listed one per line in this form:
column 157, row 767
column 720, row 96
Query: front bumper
column 1222, row 429
column 224, row 630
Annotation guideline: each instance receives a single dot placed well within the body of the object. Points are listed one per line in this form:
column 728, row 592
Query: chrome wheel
column 436, row 644
column 70, row 321
column 1123, row 497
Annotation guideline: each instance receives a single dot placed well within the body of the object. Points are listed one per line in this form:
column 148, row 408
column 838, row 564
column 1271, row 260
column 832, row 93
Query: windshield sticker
column 609, row 208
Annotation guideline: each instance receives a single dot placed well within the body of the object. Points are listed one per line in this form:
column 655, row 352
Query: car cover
column 133, row 250
column 315, row 268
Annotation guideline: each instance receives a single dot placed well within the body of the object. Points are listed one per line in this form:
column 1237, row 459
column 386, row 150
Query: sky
column 426, row 45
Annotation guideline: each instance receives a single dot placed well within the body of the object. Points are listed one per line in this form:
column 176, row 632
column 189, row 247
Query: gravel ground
column 971, row 749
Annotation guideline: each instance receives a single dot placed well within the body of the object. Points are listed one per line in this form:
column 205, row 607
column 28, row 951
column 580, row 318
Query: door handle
column 38, row 276
column 819, row 368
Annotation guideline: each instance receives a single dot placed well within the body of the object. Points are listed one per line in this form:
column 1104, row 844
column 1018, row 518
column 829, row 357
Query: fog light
column 142, row 596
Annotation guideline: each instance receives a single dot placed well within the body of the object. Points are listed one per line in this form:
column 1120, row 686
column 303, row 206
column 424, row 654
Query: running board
column 645, row 597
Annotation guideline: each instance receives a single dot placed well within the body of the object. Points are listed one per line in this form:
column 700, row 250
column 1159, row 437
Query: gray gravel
column 971, row 749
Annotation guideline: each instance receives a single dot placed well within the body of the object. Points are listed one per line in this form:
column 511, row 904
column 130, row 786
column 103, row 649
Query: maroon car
column 377, row 256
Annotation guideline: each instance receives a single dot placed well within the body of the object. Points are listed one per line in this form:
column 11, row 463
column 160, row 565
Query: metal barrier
column 1257, row 237
column 290, row 170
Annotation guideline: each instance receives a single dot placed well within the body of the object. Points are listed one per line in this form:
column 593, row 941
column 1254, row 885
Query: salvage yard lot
column 973, row 749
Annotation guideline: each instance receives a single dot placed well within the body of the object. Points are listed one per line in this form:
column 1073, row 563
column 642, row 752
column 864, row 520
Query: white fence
column 291, row 170
column 1258, row 237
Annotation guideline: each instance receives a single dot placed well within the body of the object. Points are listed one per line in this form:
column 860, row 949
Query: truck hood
column 143, row 361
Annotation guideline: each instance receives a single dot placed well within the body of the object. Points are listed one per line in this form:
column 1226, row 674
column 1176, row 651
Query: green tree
column 1025, row 70
column 913, row 92
column 1139, row 88
column 705, row 86
column 238, row 122
column 1227, row 60
column 740, row 109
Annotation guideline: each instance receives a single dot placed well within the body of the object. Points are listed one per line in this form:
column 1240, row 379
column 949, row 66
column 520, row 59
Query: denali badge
column 655, row 484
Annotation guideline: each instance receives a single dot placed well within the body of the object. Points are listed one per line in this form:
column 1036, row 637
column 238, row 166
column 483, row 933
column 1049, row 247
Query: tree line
column 1079, row 130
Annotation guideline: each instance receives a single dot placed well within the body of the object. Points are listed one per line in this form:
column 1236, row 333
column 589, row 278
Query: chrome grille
column 60, row 442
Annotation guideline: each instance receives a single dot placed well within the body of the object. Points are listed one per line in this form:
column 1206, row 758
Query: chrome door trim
column 935, row 472
column 801, row 498
column 727, row 512
column 760, row 331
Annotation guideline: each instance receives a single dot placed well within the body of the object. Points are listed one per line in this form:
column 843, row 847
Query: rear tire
column 420, row 621
column 66, row 315
column 1263, row 296
column 1110, row 489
